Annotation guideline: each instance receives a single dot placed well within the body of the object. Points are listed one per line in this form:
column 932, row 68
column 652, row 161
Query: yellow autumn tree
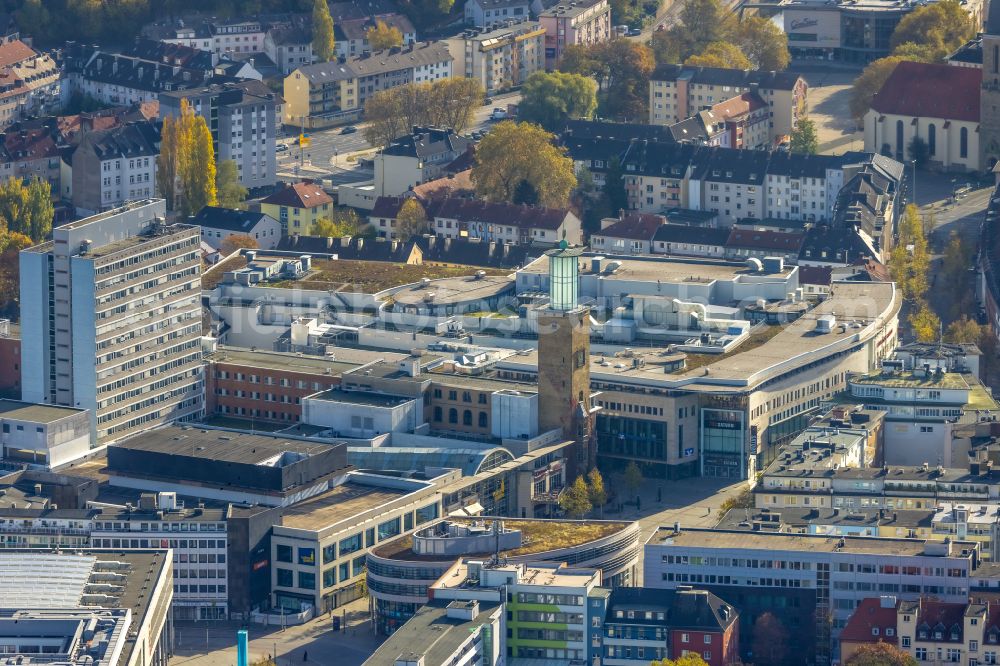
column 186, row 168
column 383, row 36
column 199, row 181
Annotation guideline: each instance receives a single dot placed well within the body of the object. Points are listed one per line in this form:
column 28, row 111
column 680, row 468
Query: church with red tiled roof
column 933, row 108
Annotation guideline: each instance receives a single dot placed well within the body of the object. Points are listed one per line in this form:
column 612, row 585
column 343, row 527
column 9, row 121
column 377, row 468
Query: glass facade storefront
column 621, row 440
column 723, row 442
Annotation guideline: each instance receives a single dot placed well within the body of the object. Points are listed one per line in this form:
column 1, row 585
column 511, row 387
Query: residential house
column 937, row 103
column 691, row 241
column 243, row 118
column 218, row 223
column 123, row 79
column 505, row 223
column 630, row 233
column 744, row 121
column 728, row 182
column 927, row 629
column 499, row 58
column 111, row 167
column 574, row 23
column 751, row 243
column 642, row 625
column 328, row 93
column 30, row 82
column 482, row 13
column 298, row 207
column 815, row 281
column 288, row 48
column 351, row 35
column 677, row 92
column 31, row 149
column 417, row 158
column 825, row 245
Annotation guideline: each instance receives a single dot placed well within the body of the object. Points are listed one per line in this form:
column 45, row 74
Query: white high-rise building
column 111, row 320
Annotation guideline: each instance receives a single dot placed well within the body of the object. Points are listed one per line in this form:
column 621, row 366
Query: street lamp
column 914, row 162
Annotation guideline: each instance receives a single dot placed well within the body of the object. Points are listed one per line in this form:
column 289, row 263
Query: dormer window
column 875, row 631
column 889, row 631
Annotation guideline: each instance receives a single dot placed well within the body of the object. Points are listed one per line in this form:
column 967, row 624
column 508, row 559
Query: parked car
column 635, row 32
column 487, row 101
column 350, row 129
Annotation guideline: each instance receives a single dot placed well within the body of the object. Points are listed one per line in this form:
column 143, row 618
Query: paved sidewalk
column 214, row 643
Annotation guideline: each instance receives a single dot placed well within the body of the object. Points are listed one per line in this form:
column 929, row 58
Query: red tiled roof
column 634, row 226
column 941, row 614
column 525, row 217
column 765, row 240
column 14, row 52
column 931, row 91
column 868, row 616
column 737, row 106
column 300, row 195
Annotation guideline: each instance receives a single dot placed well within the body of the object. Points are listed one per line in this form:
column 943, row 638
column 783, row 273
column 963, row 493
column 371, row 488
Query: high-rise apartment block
column 242, row 118
column 111, row 320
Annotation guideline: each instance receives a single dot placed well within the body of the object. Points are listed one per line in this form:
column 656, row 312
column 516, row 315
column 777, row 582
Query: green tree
column 322, row 23
column 167, row 163
column 742, row 501
column 918, row 52
column 770, row 641
column 918, row 150
column 804, row 138
column 614, row 186
column 236, row 242
column 199, row 174
column 343, row 222
column 230, row 193
column 451, row 102
column 596, row 491
column 763, row 42
column 26, row 207
column 11, row 244
column 550, row 99
column 575, row 500
column 411, row 220
column 963, row 330
column 382, row 36
column 909, row 260
column 384, row 118
column 720, row 54
column 925, row 324
column 880, row 654
column 621, row 68
column 666, row 47
column 870, row 82
column 689, row 659
column 941, row 27
column 632, row 477
column 701, row 23
column 516, row 152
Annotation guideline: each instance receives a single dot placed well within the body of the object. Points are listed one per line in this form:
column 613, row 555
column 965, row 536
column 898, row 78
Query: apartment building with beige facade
column 501, row 58
column 677, row 92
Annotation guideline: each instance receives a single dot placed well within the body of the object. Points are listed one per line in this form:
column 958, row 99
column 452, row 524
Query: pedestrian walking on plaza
column 305, row 657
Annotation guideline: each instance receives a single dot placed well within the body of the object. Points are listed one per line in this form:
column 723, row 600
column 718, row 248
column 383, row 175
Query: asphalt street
column 329, row 150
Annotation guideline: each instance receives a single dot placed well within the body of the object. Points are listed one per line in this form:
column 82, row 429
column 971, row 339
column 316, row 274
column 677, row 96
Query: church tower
column 564, row 362
column 989, row 100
